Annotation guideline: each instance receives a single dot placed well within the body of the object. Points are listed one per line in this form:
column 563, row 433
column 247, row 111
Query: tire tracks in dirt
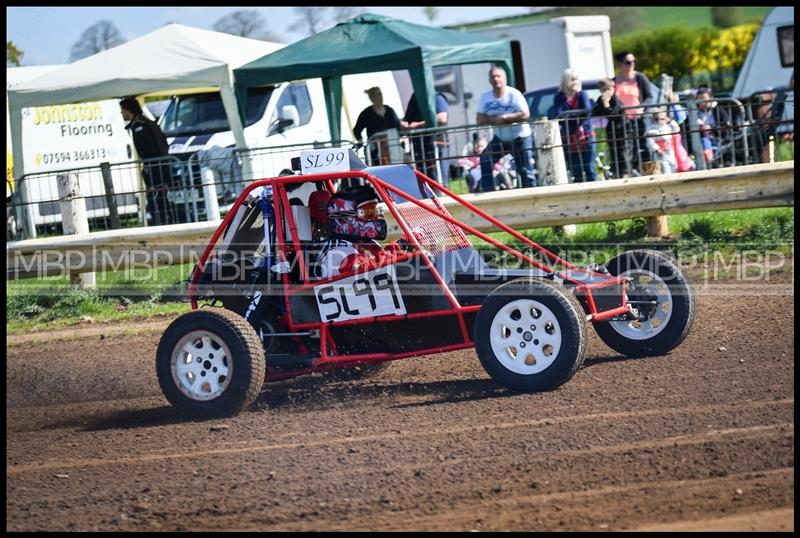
column 261, row 447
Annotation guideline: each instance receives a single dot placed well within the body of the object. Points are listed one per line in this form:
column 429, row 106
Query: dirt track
column 701, row 439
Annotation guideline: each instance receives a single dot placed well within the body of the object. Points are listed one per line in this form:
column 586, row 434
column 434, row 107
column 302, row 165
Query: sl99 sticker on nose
column 365, row 295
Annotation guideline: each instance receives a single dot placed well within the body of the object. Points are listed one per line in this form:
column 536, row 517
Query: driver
column 355, row 226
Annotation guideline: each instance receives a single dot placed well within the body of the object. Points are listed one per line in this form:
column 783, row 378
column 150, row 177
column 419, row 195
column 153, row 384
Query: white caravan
column 770, row 62
column 542, row 50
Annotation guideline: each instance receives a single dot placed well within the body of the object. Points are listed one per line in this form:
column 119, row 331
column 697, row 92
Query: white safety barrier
column 741, row 187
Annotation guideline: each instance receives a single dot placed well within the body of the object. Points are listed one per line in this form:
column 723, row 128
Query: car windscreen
column 540, row 102
column 204, row 113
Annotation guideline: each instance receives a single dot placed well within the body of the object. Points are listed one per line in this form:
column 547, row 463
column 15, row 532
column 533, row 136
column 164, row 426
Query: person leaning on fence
column 577, row 134
column 660, row 141
column 713, row 121
column 423, row 145
column 501, row 107
column 774, row 119
column 632, row 89
column 150, row 143
column 608, row 106
column 376, row 118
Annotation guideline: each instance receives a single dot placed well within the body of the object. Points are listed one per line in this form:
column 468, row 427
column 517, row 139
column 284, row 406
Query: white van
column 287, row 114
column 770, row 62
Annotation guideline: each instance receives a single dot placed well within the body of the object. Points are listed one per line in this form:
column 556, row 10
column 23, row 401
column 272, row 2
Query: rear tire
column 210, row 362
column 656, row 278
column 530, row 335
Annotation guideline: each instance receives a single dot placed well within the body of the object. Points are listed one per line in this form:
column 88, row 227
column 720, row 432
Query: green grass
column 654, row 18
column 757, row 230
column 101, row 310
column 694, row 17
column 51, row 302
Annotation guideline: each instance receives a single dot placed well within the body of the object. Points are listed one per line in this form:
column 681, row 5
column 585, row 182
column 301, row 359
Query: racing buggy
column 262, row 312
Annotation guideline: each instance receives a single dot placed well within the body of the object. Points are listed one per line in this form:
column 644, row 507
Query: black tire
column 248, row 362
column 681, row 299
column 573, row 334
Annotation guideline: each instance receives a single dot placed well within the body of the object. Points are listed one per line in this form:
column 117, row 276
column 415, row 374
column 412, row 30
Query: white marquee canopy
column 173, row 58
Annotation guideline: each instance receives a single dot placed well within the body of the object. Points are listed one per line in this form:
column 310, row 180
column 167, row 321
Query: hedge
column 681, row 52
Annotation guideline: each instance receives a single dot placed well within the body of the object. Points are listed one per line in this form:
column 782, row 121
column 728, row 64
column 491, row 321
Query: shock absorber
column 264, row 261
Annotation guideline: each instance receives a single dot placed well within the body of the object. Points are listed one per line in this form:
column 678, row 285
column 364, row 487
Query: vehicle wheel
column 668, row 305
column 530, row 335
column 210, row 362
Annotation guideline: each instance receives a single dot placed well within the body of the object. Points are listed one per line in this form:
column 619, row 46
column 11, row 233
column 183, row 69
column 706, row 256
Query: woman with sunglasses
column 632, row 89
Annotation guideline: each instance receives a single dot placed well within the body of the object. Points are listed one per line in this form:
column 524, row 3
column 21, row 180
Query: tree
column 245, row 23
column 431, row 13
column 311, row 19
column 13, row 55
column 726, row 16
column 98, row 37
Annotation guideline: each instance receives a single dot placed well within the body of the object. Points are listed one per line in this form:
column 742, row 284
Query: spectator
column 786, row 114
column 472, row 165
column 632, row 89
column 501, row 107
column 576, row 129
column 678, row 113
column 775, row 118
column 660, row 141
column 608, row 106
column 712, row 120
column 150, row 143
column 376, row 118
column 423, row 145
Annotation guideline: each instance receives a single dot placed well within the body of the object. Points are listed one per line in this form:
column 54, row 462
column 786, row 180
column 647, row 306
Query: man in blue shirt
column 423, row 145
column 504, row 107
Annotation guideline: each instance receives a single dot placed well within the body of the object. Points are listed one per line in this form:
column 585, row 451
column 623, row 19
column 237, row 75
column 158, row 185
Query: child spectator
column 608, row 106
column 711, row 119
column 660, row 141
column 472, row 164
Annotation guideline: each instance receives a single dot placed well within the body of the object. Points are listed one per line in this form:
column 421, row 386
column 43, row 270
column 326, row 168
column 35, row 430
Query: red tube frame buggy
column 212, row 361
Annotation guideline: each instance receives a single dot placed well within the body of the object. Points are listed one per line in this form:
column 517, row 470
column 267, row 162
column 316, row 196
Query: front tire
column 530, row 335
column 666, row 301
column 210, row 362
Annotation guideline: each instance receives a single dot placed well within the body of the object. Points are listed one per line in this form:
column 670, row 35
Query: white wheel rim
column 525, row 336
column 201, row 365
column 647, row 282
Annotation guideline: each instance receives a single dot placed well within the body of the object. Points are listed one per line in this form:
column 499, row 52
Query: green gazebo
column 366, row 44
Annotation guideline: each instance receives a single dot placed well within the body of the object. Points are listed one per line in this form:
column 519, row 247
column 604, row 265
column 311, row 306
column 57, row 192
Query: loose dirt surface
column 699, row 439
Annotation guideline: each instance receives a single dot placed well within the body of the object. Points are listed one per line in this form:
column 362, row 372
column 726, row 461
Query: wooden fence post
column 74, row 220
column 111, row 201
column 657, row 226
column 551, row 166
